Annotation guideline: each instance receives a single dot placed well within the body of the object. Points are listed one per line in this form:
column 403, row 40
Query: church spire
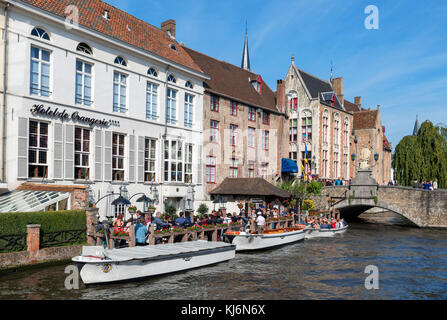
column 416, row 127
column 245, row 55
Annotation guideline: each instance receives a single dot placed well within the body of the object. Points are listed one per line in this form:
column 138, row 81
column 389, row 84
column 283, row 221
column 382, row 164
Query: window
column 251, row 137
column 265, row 140
column 336, row 132
column 265, row 117
column 171, row 107
column 214, row 103
column 345, row 166
column 293, row 156
column 173, row 157
column 325, row 129
column 233, row 168
column 40, row 72
column 38, row 149
column 307, row 129
column 233, row 108
column 293, row 104
column 120, row 60
column 251, row 169
column 172, row 79
column 325, row 164
column 150, row 148
column 264, row 170
column 211, row 169
column 188, row 110
column 214, row 131
column 82, row 153
column 152, row 72
column 346, row 133
column 233, row 134
column 83, row 83
column 188, row 163
column 119, row 92
column 118, row 157
column 336, row 163
column 189, row 85
column 40, row 33
column 151, row 100
column 251, row 114
column 309, row 161
column 84, row 48
column 293, row 131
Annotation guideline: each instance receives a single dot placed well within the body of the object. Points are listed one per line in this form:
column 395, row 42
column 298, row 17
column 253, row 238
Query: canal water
column 412, row 264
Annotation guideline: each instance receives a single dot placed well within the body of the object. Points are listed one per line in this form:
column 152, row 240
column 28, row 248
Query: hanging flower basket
column 240, row 205
column 251, row 205
column 132, row 209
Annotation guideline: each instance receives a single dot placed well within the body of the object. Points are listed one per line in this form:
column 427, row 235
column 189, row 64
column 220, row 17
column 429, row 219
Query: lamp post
column 356, row 152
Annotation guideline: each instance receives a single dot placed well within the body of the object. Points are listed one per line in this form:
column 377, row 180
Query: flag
column 305, row 150
column 333, row 99
column 309, row 174
column 303, row 172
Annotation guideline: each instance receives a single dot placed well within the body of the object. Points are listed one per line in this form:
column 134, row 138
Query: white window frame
column 150, row 157
column 118, row 87
column 189, row 107
column 84, row 75
column 151, row 101
column 39, row 91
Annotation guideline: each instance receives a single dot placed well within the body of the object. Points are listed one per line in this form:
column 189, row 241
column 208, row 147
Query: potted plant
column 132, row 209
column 151, row 209
column 177, row 229
column 251, row 204
column 240, row 205
column 194, row 228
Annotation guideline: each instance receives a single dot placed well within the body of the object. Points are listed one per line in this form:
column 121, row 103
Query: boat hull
column 324, row 233
column 108, row 271
column 249, row 242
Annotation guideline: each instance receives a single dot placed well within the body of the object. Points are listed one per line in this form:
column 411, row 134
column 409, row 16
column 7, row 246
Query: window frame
column 210, row 169
column 151, row 100
column 82, row 153
column 38, row 149
column 117, row 106
column 40, row 63
column 149, row 159
column 214, row 103
column 116, row 156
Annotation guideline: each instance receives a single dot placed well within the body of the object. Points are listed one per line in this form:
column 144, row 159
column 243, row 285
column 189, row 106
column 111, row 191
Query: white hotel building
column 85, row 108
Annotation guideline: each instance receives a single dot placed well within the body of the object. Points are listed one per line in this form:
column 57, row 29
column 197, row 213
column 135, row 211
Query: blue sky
column 402, row 66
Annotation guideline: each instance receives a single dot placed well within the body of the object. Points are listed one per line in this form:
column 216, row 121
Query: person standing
column 260, row 222
column 140, row 233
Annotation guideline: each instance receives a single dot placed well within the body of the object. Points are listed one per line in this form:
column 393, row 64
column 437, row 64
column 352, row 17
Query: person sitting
column 181, row 221
column 118, row 224
column 188, row 222
column 159, row 225
column 140, row 233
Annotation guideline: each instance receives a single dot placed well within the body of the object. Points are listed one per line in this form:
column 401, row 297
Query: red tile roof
column 365, row 119
column 351, row 107
column 233, row 82
column 141, row 35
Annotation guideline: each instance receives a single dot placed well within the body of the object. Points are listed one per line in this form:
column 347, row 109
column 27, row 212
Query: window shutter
column 58, row 173
column 69, row 152
column 98, row 155
column 199, row 165
column 22, row 153
column 108, row 156
column 132, row 158
column 140, row 168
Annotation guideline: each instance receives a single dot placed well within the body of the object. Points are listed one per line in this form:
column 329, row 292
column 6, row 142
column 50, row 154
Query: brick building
column 318, row 122
column 244, row 126
column 370, row 133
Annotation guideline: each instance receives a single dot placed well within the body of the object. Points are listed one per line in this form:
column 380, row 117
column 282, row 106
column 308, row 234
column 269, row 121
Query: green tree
column 301, row 190
column 422, row 157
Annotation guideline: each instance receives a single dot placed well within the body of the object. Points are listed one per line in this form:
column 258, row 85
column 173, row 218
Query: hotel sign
column 63, row 115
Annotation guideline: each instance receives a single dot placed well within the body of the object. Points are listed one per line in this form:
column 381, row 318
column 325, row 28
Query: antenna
column 332, row 70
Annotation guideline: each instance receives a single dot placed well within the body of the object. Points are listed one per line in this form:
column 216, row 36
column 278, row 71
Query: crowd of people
column 324, row 223
column 426, row 185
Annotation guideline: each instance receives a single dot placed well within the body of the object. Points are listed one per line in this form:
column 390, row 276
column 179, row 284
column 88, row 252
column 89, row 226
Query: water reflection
column 412, row 264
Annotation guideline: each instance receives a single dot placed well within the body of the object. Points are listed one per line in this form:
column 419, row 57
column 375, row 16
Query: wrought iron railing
column 61, row 238
column 13, row 243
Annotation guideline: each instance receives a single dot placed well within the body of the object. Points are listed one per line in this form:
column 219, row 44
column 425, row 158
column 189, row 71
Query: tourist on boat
column 140, row 233
column 118, row 223
column 260, row 222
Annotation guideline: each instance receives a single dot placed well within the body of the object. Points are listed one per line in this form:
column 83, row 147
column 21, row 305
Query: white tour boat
column 99, row 265
column 315, row 233
column 245, row 241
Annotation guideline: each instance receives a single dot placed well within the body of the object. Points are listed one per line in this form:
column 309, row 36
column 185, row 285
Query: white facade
column 128, row 118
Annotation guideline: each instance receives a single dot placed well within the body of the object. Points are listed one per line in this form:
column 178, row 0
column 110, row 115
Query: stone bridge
column 421, row 207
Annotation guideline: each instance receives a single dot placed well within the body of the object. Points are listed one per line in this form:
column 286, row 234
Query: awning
column 289, row 165
column 29, row 201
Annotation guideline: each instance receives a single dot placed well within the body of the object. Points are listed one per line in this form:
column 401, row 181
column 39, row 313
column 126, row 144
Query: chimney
column 281, row 99
column 337, row 84
column 169, row 27
column 358, row 101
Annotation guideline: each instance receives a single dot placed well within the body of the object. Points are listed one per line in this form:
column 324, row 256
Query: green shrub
column 50, row 221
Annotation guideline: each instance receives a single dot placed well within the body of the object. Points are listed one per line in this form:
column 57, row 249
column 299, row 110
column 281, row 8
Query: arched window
column 189, row 84
column 172, row 79
column 40, row 33
column 120, row 60
column 152, row 72
column 85, row 48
